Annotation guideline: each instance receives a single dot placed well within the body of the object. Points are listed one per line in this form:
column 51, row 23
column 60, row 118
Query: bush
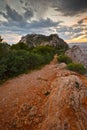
column 17, row 62
column 2, row 71
column 44, row 50
column 77, row 67
column 20, row 61
column 19, row 46
column 14, row 62
column 4, row 49
column 59, row 51
column 65, row 59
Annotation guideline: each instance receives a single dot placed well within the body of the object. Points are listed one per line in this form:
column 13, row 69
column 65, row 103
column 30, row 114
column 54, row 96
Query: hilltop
column 33, row 40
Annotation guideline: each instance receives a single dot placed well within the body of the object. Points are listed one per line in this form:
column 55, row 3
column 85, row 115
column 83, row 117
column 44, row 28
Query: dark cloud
column 21, row 1
column 11, row 14
column 28, row 13
column 20, row 22
column 14, row 17
column 25, row 27
column 67, row 7
column 44, row 23
column 71, row 7
column 4, row 15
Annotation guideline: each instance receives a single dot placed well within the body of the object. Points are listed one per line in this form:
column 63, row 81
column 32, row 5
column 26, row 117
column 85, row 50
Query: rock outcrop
column 78, row 54
column 66, row 108
column 33, row 40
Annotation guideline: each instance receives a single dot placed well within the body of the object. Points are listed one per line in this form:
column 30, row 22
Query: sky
column 67, row 18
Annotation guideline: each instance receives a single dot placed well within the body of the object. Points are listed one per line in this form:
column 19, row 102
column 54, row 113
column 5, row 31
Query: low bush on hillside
column 64, row 58
column 18, row 61
column 77, row 67
column 44, row 50
column 19, row 46
column 4, row 49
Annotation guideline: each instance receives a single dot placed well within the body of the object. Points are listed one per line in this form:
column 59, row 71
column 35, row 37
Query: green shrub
column 4, row 49
column 44, row 50
column 59, row 51
column 14, row 62
column 2, row 71
column 19, row 46
column 65, row 59
column 20, row 61
column 77, row 67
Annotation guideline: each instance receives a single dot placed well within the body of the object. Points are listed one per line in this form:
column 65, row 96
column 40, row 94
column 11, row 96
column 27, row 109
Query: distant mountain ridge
column 83, row 44
column 33, row 40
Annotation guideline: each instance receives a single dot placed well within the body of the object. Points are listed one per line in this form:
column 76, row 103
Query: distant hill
column 83, row 44
column 33, row 40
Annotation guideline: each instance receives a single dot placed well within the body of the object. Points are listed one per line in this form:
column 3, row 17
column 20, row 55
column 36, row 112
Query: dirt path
column 26, row 89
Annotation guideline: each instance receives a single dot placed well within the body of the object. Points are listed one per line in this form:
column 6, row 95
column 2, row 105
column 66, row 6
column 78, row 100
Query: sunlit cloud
column 80, row 39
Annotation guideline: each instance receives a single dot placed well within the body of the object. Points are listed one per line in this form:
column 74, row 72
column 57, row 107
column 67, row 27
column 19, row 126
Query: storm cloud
column 66, row 7
column 25, row 27
column 11, row 14
column 71, row 7
column 28, row 13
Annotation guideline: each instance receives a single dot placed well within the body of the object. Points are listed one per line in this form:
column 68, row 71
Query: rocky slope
column 78, row 54
column 33, row 40
column 52, row 98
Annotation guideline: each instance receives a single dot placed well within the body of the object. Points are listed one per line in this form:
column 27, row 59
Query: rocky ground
column 52, row 98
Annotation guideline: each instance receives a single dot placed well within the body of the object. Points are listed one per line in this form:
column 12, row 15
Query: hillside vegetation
column 19, row 58
column 71, row 65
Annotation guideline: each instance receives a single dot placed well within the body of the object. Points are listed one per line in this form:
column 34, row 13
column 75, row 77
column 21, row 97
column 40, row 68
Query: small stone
column 33, row 111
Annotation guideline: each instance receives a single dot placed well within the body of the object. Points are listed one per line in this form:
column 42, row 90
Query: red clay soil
column 31, row 89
